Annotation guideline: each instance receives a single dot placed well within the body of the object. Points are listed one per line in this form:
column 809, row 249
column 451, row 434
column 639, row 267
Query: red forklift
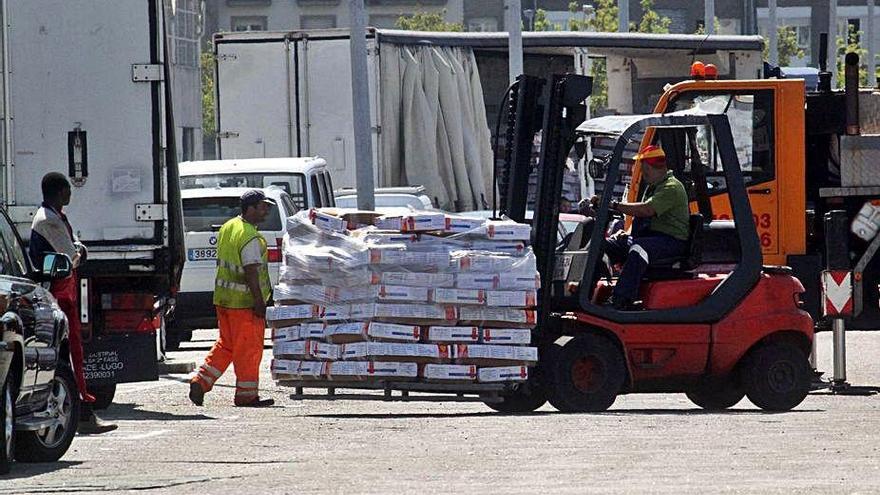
column 715, row 324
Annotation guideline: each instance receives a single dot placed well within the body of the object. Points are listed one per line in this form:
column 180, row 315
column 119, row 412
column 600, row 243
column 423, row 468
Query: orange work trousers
column 240, row 344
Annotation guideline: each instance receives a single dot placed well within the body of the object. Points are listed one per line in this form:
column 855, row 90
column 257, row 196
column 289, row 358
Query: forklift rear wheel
column 524, row 399
column 588, row 374
column 717, row 396
column 777, row 377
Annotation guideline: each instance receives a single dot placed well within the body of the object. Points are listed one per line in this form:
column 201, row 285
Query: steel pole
column 360, row 97
column 513, row 21
column 832, row 41
column 872, row 63
column 709, row 16
column 773, row 33
column 623, row 16
column 839, row 334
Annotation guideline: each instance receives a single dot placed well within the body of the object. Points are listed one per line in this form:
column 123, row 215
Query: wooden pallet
column 397, row 391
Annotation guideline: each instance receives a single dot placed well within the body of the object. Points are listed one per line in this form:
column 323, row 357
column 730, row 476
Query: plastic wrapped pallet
column 424, row 296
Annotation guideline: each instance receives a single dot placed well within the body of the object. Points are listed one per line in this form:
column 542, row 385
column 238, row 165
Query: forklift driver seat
column 677, row 267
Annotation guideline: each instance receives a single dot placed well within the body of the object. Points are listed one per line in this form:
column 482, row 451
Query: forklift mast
column 564, row 110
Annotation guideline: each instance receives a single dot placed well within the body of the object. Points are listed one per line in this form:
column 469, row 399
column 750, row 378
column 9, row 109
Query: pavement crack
column 81, row 489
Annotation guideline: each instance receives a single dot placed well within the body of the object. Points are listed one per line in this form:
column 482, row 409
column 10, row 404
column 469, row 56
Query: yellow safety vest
column 230, row 287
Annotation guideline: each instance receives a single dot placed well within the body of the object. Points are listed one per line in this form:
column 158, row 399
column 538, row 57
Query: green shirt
column 670, row 203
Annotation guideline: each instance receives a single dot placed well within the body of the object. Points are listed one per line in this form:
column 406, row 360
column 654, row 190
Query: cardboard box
column 334, row 220
column 483, row 281
column 507, row 247
column 504, row 230
column 327, row 221
column 511, row 299
column 284, row 316
column 413, row 279
column 461, row 373
column 392, row 332
column 497, row 317
column 305, row 293
column 518, row 281
column 286, row 334
column 503, row 374
column 336, row 312
column 461, row 225
column 403, row 293
column 509, row 336
column 299, row 349
column 343, row 333
column 415, row 222
column 316, row 330
column 494, row 354
column 387, row 351
column 482, row 262
column 344, row 370
column 358, row 370
column 298, row 370
column 416, row 313
column 453, row 334
column 420, row 260
column 372, row 237
column 459, row 296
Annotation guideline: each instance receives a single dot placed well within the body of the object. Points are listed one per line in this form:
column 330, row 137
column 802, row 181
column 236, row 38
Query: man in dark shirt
column 51, row 233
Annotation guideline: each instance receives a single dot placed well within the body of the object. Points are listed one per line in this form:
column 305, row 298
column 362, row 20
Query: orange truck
column 803, row 154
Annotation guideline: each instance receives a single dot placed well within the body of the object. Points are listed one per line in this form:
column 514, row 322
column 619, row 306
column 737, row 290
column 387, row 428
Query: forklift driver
column 659, row 228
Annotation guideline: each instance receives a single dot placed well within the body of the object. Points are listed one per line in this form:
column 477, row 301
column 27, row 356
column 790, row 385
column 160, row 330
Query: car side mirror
column 56, row 266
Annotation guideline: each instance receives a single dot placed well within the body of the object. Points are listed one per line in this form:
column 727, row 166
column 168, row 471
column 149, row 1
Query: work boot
column 93, row 425
column 258, row 402
column 196, row 393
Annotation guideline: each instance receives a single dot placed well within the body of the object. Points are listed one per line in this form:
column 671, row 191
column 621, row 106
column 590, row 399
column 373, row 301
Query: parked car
column 39, row 401
column 204, row 212
column 307, row 180
column 415, row 197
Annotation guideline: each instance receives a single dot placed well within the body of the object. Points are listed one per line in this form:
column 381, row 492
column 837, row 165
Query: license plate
column 563, row 265
column 199, row 254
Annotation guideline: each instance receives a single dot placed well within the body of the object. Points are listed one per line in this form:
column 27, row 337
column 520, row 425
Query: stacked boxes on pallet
column 419, row 297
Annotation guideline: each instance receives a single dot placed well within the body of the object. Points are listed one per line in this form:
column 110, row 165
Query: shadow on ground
column 132, row 412
column 615, row 412
column 22, row 470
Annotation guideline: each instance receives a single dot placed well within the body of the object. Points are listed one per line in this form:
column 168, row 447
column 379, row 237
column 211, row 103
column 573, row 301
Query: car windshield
column 292, row 184
column 208, row 214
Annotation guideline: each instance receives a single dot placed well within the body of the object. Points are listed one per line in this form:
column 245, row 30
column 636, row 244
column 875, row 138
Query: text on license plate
column 197, row 254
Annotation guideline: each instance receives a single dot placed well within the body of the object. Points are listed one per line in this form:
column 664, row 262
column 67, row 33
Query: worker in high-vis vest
column 241, row 290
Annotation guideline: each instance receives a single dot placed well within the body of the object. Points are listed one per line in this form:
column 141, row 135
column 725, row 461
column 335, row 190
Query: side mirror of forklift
column 598, row 166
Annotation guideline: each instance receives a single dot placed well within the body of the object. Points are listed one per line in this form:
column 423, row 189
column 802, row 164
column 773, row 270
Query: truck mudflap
column 121, row 358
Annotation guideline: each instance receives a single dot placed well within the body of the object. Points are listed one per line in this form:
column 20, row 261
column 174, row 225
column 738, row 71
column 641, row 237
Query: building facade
column 185, row 31
column 285, row 15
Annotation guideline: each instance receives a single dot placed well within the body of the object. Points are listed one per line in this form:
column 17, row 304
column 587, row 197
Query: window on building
column 251, row 23
column 317, row 21
column 185, row 33
column 804, row 36
column 482, row 24
column 189, row 144
column 384, row 21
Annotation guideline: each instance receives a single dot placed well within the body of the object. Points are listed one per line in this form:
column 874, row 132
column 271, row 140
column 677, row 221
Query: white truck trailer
column 289, row 94
column 85, row 92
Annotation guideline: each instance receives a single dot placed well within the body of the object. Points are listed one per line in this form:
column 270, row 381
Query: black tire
column 103, row 396
column 49, row 444
column 717, row 396
column 173, row 341
column 7, row 422
column 525, row 399
column 777, row 377
column 588, row 374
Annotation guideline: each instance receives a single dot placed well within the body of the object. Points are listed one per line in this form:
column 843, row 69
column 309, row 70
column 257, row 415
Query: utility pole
column 773, row 33
column 360, row 97
column 832, row 41
column 872, row 64
column 513, row 20
column 709, row 16
column 623, row 16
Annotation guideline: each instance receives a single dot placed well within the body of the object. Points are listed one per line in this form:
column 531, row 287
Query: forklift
column 715, row 324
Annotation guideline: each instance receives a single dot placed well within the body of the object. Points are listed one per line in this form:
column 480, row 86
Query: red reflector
column 131, row 321
column 132, row 300
column 274, row 253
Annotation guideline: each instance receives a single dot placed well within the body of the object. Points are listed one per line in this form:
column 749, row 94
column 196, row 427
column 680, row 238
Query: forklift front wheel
column 717, row 396
column 588, row 374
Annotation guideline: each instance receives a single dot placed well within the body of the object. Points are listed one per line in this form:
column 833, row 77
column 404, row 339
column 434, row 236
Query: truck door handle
column 759, row 191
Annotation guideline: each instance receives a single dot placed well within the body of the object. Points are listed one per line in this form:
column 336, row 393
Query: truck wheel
column 103, row 396
column 777, row 377
column 50, row 443
column 588, row 374
column 716, row 397
column 7, row 420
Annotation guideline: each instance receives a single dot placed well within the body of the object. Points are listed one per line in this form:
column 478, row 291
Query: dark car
column 39, row 401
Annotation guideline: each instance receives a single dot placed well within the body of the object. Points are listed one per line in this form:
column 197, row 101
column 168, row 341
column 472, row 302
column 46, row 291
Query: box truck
column 85, row 92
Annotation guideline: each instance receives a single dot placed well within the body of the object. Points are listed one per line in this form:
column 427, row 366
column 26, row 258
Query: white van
column 205, row 210
column 306, row 179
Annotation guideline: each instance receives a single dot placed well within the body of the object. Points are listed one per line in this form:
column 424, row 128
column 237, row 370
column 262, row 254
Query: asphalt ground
column 644, row 444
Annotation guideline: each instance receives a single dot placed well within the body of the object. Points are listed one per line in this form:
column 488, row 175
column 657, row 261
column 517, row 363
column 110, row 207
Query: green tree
column 652, row 22
column 701, row 29
column 206, row 64
column 542, row 24
column 787, row 47
column 427, row 21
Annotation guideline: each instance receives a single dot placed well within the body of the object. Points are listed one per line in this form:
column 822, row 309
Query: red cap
column 652, row 155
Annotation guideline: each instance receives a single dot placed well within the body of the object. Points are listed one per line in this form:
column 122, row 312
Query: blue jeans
column 636, row 254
